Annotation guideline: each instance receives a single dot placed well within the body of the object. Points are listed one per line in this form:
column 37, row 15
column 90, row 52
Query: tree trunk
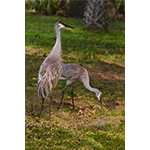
column 96, row 14
column 48, row 7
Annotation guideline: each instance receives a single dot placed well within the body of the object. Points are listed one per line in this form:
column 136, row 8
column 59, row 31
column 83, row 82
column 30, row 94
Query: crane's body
column 73, row 72
column 51, row 68
column 49, row 74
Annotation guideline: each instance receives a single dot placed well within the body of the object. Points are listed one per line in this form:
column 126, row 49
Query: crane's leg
column 50, row 103
column 41, row 107
column 63, row 92
column 72, row 96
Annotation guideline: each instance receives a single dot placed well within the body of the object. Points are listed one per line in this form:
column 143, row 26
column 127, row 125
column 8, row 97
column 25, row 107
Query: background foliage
column 73, row 8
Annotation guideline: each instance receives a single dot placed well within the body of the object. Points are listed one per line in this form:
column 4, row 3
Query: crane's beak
column 100, row 103
column 68, row 26
column 100, row 97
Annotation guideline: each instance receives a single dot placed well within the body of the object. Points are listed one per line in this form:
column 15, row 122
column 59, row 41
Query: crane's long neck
column 90, row 88
column 57, row 47
column 85, row 81
column 58, row 35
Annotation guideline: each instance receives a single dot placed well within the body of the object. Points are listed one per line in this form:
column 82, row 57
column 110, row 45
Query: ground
column 88, row 126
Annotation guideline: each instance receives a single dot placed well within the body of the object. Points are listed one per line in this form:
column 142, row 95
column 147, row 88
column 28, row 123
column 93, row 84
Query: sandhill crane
column 51, row 68
column 72, row 73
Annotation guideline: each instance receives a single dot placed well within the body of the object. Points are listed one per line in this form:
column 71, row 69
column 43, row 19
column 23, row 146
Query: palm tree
column 95, row 15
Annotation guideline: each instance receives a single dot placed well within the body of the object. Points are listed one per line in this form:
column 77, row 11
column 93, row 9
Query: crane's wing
column 49, row 75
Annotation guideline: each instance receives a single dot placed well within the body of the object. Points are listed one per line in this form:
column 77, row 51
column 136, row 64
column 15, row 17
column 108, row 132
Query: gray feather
column 74, row 72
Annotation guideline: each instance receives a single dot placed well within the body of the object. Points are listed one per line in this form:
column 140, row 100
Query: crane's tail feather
column 44, row 86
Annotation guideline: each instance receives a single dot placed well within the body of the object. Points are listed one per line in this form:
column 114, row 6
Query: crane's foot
column 58, row 107
column 73, row 107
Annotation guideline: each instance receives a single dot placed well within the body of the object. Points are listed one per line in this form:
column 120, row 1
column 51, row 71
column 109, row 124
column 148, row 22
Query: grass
column 88, row 126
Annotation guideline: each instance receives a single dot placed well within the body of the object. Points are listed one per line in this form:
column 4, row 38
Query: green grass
column 89, row 126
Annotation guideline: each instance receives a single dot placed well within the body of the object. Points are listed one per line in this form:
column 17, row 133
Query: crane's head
column 62, row 25
column 99, row 96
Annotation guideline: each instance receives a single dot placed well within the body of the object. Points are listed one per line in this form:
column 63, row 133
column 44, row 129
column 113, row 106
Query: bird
column 51, row 68
column 73, row 72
